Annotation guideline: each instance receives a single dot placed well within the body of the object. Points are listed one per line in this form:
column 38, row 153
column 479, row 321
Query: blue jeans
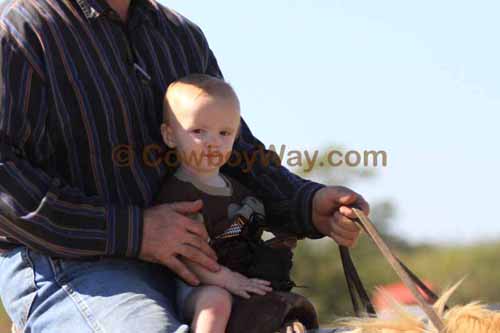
column 45, row 294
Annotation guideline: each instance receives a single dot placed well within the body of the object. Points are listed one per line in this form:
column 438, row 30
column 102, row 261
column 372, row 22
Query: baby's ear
column 167, row 135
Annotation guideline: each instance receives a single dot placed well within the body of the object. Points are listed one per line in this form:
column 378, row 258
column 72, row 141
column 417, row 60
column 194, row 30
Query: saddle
column 270, row 313
column 269, row 260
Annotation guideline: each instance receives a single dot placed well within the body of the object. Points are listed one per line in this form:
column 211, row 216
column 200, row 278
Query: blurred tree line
column 317, row 263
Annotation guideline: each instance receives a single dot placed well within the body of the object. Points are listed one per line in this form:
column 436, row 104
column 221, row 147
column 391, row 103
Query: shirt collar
column 93, row 9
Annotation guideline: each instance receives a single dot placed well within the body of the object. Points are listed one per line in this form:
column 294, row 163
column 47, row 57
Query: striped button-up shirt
column 75, row 84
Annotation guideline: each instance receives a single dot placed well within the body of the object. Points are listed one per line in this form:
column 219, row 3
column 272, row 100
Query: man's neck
column 121, row 7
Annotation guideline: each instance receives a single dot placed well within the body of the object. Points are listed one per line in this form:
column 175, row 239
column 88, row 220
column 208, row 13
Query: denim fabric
column 45, row 294
column 183, row 291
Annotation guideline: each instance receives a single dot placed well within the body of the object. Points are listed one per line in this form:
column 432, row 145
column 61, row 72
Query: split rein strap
column 410, row 280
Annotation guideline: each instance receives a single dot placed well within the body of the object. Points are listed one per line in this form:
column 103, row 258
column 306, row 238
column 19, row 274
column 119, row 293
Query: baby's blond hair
column 203, row 84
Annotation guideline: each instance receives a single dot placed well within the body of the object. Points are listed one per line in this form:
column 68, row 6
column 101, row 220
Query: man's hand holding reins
column 332, row 214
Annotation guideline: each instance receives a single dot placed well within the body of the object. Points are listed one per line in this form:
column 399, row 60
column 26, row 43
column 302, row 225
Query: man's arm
column 287, row 197
column 38, row 209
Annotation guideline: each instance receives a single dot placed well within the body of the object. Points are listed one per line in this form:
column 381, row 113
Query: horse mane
column 473, row 317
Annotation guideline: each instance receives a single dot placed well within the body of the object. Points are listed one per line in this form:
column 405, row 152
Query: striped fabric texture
column 80, row 113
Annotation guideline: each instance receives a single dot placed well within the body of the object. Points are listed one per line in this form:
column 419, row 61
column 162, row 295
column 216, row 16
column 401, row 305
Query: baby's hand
column 240, row 285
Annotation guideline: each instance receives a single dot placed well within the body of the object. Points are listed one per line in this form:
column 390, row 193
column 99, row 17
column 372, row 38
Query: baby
column 201, row 122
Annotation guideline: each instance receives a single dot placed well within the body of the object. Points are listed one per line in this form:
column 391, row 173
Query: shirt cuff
column 124, row 226
column 302, row 205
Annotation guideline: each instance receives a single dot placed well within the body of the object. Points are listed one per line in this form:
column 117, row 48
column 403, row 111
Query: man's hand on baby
column 240, row 285
column 168, row 233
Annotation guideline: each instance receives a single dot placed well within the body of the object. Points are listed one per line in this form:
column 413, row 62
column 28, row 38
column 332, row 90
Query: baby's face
column 203, row 131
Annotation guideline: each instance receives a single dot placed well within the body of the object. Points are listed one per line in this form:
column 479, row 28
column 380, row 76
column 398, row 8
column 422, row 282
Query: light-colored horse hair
column 470, row 318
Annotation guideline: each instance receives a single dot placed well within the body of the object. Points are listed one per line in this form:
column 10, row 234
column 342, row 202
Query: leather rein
column 359, row 297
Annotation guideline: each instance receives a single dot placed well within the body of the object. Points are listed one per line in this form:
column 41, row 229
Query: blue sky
column 418, row 79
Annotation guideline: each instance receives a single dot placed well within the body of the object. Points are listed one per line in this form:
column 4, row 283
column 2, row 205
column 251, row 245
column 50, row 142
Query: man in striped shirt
column 81, row 88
